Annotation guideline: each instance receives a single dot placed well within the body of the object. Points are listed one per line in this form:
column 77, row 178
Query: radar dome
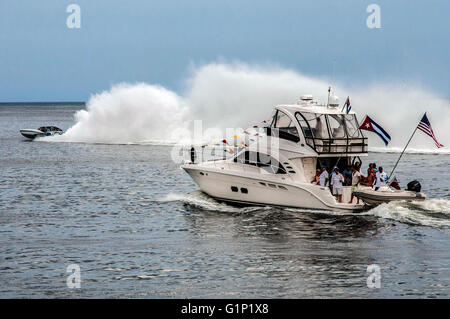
column 334, row 101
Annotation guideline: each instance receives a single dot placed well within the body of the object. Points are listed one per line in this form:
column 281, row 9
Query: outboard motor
column 414, row 186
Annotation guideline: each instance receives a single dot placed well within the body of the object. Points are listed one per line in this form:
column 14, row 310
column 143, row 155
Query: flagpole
column 342, row 110
column 395, row 166
column 328, row 101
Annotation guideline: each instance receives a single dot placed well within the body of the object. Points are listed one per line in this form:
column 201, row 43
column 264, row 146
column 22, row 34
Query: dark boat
column 42, row 131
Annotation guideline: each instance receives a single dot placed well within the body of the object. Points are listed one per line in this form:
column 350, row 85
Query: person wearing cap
column 337, row 180
column 324, row 177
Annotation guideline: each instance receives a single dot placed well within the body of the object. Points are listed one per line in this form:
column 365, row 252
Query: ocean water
column 138, row 227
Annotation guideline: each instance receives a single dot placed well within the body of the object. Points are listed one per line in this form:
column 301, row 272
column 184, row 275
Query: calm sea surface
column 138, row 227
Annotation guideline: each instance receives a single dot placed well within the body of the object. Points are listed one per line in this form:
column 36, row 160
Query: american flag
column 425, row 127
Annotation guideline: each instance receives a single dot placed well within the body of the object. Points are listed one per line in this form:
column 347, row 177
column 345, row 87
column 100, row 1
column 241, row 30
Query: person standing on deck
column 369, row 180
column 333, row 172
column 381, row 178
column 347, row 176
column 337, row 180
column 324, row 177
column 374, row 168
column 356, row 179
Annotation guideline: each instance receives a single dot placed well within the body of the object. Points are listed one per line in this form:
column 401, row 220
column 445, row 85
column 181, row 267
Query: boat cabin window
column 264, row 161
column 336, row 124
column 351, row 124
column 282, row 120
column 284, row 127
column 313, row 125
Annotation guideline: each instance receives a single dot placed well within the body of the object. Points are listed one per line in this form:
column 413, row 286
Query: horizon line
column 41, row 102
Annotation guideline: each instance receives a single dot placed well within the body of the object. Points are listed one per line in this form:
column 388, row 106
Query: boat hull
column 31, row 133
column 263, row 190
column 374, row 198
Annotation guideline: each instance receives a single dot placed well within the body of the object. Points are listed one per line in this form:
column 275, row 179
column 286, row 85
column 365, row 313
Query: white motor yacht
column 279, row 168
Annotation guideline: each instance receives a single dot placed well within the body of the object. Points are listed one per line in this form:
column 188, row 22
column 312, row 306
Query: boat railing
column 338, row 145
column 325, row 145
column 200, row 154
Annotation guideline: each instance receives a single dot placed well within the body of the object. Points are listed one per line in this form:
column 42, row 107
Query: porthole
column 263, row 184
column 234, row 189
column 272, row 185
column 244, row 190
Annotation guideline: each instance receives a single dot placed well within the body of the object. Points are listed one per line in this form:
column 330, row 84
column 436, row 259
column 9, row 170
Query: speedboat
column 280, row 168
column 387, row 194
column 42, row 131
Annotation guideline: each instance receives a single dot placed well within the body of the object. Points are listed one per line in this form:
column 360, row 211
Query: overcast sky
column 157, row 42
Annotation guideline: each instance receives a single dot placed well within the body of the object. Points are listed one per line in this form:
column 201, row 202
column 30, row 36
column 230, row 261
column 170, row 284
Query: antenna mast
column 329, row 90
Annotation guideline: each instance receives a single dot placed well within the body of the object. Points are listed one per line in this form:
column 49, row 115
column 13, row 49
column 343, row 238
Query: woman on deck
column 368, row 181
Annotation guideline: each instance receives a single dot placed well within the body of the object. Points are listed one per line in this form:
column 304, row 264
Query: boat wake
column 200, row 200
column 432, row 212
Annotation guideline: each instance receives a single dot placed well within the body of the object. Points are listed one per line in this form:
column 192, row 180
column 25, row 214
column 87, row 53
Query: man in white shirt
column 356, row 179
column 381, row 178
column 331, row 179
column 337, row 180
column 324, row 177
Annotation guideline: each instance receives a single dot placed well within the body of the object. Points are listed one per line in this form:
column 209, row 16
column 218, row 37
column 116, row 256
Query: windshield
column 284, row 127
column 336, row 124
column 332, row 133
column 313, row 124
column 352, row 126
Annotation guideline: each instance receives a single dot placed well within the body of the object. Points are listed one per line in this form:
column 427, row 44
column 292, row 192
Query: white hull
column 386, row 195
column 42, row 131
column 31, row 133
column 218, row 184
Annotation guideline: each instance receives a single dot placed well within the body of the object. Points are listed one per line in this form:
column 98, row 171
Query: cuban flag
column 370, row 125
column 347, row 105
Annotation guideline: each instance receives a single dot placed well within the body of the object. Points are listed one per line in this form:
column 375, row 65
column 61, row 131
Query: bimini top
column 327, row 130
